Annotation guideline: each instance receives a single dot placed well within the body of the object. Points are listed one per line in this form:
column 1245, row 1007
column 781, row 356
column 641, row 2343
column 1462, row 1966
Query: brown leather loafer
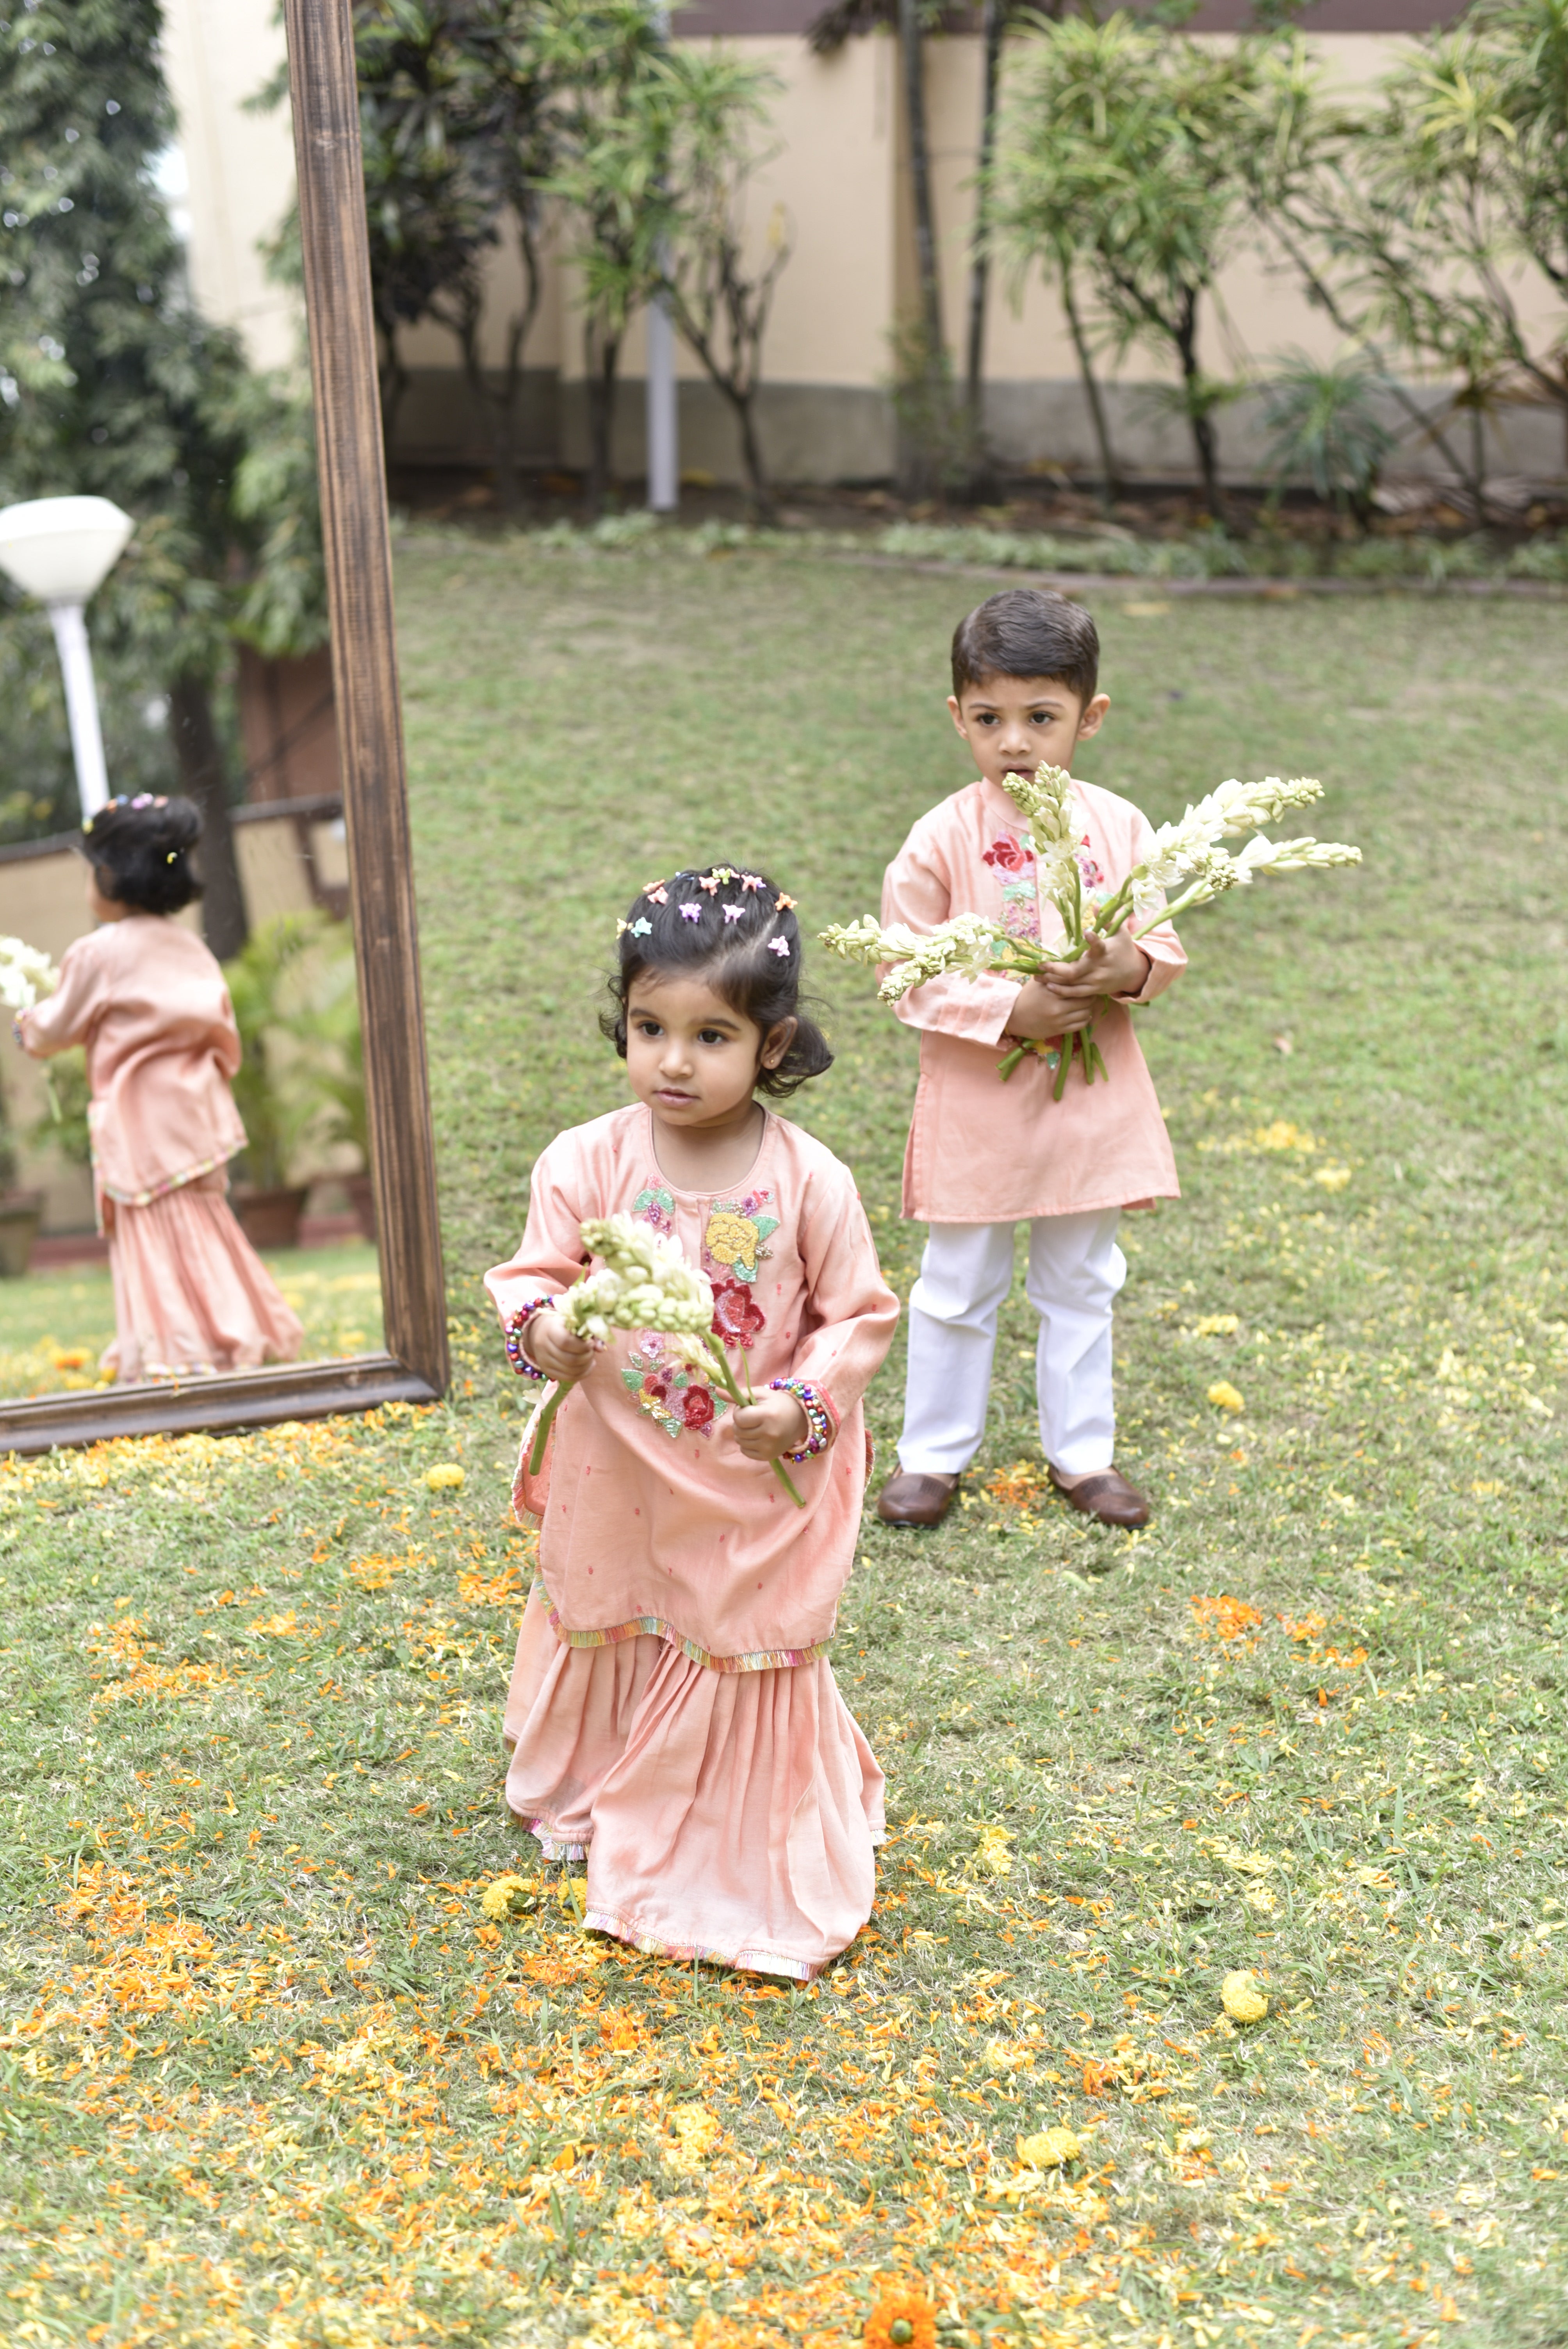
column 907, row 1499
column 1108, row 1498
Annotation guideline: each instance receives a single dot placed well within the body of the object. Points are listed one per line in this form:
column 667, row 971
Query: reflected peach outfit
column 672, row 1712
column 146, row 999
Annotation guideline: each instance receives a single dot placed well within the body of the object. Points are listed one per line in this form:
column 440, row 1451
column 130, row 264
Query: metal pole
column 663, row 413
column 70, row 629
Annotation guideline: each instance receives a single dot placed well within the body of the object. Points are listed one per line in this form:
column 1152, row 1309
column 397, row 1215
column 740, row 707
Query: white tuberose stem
column 81, row 705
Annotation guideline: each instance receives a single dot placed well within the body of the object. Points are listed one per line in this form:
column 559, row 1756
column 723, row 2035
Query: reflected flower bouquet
column 25, row 974
column 1186, row 865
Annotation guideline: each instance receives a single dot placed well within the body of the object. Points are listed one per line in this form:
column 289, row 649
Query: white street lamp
column 60, row 550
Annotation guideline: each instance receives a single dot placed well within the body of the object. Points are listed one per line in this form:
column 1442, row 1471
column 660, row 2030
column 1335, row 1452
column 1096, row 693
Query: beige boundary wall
column 839, row 174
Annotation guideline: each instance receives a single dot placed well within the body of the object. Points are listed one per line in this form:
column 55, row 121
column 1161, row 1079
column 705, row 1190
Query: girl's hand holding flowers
column 769, row 1426
column 556, row 1349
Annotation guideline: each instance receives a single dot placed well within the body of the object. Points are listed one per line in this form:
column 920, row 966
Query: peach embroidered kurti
column 672, row 1711
column 982, row 1152
column 146, row 999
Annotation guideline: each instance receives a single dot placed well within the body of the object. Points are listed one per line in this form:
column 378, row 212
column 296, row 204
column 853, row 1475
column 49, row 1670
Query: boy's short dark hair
column 1027, row 631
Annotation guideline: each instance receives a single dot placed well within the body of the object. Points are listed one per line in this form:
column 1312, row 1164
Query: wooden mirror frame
column 414, row 1368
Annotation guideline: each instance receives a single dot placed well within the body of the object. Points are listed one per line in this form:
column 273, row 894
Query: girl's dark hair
column 140, row 850
column 735, row 931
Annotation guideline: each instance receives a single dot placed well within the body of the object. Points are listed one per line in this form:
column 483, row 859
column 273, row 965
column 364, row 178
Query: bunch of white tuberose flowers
column 25, row 974
column 646, row 1283
column 1186, row 865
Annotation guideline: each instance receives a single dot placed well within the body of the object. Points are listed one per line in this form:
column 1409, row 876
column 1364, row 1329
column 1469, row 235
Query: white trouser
column 1075, row 1272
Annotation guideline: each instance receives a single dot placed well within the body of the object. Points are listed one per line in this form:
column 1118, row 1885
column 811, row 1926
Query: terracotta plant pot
column 270, row 1219
column 362, row 1199
column 20, row 1212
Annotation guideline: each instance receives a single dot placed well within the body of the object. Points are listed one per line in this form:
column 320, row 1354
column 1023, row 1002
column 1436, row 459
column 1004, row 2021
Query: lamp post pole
column 69, row 622
column 60, row 550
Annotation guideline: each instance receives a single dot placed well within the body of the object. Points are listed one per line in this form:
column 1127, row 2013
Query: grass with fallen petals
column 272, row 2075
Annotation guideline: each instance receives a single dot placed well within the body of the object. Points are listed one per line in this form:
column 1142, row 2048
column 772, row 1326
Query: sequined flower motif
column 738, row 1317
column 674, row 1395
column 656, row 1206
column 1093, row 878
column 1008, row 855
column 736, row 1230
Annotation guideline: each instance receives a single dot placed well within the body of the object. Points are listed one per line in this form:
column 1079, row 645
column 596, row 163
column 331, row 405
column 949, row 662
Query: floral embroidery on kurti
column 738, row 1317
column 670, row 1391
column 656, row 1207
column 1013, row 861
column 735, row 1231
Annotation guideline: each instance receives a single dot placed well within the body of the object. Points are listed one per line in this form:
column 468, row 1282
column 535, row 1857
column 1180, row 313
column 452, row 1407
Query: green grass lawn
column 55, row 1324
column 270, row 2078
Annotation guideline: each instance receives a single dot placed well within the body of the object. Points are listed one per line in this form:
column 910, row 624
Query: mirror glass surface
column 301, row 1188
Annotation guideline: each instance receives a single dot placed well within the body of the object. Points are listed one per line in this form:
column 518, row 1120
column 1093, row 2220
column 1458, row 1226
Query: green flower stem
column 541, row 1430
column 722, row 1360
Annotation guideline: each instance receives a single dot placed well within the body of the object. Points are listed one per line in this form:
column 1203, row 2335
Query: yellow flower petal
column 1243, row 2001
column 1226, row 1396
column 445, row 1477
column 1051, row 2149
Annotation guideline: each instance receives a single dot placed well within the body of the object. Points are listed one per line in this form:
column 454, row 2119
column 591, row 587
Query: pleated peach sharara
column 673, row 1714
column 190, row 1295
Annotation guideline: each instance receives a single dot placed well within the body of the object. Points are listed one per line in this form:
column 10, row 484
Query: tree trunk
column 993, row 23
column 933, row 342
column 751, row 450
column 1204, row 441
column 1109, row 471
column 602, row 353
column 201, row 759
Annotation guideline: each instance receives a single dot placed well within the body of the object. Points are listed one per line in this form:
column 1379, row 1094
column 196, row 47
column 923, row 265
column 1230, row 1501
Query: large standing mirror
column 309, row 907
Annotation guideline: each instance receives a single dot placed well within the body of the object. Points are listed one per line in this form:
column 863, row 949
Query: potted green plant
column 275, row 1107
column 328, row 1030
column 20, row 1211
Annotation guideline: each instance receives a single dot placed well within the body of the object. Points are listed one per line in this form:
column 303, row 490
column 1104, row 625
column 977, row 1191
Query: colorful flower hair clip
column 709, row 882
column 692, row 910
column 658, row 894
column 752, row 880
column 778, row 946
column 780, row 902
column 642, row 928
column 734, row 913
column 622, row 927
column 142, row 799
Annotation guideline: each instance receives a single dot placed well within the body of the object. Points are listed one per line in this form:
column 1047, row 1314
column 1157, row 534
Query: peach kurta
column 980, row 1151
column 673, row 1711
column 146, row 999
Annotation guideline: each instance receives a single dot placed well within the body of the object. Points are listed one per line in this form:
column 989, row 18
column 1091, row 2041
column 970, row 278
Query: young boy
column 983, row 1155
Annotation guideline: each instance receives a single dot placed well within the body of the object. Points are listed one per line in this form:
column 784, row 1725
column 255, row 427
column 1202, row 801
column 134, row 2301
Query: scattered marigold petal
column 1243, row 2001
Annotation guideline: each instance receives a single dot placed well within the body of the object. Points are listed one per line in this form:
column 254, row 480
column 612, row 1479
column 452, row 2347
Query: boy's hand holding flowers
column 1066, row 997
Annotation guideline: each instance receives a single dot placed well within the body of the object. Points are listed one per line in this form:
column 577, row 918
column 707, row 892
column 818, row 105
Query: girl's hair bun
column 138, row 849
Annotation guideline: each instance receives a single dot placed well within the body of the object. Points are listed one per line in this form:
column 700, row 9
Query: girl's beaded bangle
column 512, row 1329
column 819, row 1420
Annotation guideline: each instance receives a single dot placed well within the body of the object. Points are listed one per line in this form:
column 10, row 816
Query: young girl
column 146, row 999
column 673, row 1714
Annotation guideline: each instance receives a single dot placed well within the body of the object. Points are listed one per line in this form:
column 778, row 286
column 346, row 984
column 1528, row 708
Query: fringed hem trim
column 554, row 1847
column 761, row 1659
column 171, row 1182
column 743, row 1961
